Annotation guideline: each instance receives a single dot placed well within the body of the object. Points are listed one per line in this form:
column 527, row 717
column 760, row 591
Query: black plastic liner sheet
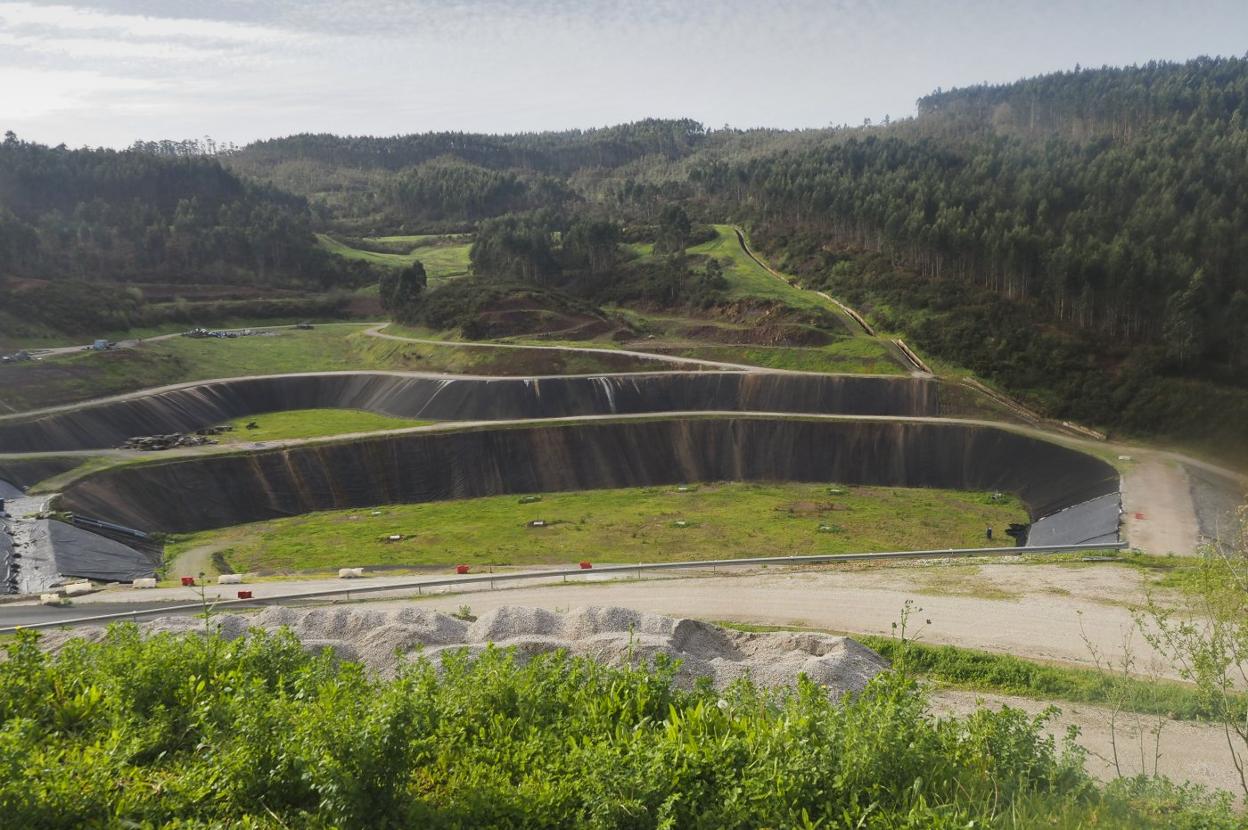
column 84, row 554
column 221, row 490
column 1091, row 522
column 193, row 407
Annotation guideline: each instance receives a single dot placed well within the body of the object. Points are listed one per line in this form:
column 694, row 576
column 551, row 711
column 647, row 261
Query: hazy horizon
column 108, row 72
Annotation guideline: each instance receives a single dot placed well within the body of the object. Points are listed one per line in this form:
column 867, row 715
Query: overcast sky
column 107, row 72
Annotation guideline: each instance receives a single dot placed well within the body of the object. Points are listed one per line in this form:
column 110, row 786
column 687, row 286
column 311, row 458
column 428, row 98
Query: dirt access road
column 1159, row 515
column 1121, row 743
column 1042, row 611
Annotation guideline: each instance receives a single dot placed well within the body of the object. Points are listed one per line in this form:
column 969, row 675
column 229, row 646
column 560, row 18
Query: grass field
column 746, row 278
column 848, row 355
column 58, row 339
column 87, row 375
column 443, row 257
column 311, row 423
column 618, row 526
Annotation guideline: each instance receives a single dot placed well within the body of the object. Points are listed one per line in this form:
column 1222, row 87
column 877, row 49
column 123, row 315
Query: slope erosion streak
column 440, row 398
column 217, row 491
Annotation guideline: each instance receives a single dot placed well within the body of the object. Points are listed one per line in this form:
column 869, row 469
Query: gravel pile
column 610, row 635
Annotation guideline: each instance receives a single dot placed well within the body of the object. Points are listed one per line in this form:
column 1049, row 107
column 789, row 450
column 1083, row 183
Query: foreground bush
column 255, row 732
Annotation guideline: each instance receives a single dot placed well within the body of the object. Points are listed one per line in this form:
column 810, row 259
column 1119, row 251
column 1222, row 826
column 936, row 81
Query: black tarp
column 81, row 553
column 220, row 490
column 1091, row 522
column 427, row 397
column 27, row 472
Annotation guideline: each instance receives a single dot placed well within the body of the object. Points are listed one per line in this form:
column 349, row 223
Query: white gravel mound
column 615, row 636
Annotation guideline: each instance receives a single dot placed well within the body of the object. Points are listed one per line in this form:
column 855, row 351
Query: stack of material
column 153, row 443
column 8, row 569
column 614, row 636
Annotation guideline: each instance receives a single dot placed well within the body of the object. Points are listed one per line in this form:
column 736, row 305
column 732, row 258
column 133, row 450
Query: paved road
column 23, row 614
column 1046, row 612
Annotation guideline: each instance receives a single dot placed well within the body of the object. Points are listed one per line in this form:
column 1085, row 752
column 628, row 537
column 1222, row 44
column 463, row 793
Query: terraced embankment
column 188, row 407
column 23, row 473
column 222, row 490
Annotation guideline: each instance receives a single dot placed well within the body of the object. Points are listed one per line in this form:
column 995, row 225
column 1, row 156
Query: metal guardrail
column 478, row 579
column 86, row 522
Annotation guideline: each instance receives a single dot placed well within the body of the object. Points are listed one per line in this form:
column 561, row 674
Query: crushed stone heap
column 609, row 635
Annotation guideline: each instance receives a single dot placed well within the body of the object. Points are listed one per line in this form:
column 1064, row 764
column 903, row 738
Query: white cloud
column 81, row 48
column 32, row 93
column 76, row 19
column 244, row 69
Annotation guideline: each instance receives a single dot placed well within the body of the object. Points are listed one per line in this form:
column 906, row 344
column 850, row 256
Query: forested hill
column 447, row 181
column 1108, row 101
column 1081, row 238
column 560, row 153
column 1133, row 225
column 137, row 217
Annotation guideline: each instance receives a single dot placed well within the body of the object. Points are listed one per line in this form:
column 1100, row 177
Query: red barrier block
column 244, row 594
column 585, row 566
column 461, row 569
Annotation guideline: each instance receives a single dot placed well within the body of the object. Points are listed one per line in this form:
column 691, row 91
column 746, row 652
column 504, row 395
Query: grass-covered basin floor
column 651, row 524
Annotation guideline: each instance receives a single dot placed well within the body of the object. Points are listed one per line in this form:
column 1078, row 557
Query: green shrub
column 257, row 732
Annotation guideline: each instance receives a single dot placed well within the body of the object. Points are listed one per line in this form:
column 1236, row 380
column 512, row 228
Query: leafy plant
column 257, row 732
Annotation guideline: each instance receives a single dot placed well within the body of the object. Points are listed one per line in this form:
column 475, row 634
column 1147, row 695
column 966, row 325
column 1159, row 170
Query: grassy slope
column 84, row 376
column 630, row 525
column 441, row 261
column 848, row 355
column 311, row 423
column 747, row 279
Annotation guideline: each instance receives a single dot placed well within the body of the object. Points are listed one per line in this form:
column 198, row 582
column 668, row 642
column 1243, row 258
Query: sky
column 108, row 72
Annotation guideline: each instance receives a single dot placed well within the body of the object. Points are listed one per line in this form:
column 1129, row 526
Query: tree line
column 1136, row 229
column 134, row 216
column 561, row 153
column 569, row 260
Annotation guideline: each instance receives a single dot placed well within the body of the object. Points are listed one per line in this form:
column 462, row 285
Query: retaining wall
column 188, row 408
column 217, row 491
